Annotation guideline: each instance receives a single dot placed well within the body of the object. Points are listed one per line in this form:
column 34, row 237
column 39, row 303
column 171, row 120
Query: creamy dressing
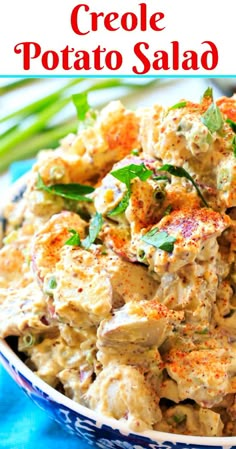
column 138, row 325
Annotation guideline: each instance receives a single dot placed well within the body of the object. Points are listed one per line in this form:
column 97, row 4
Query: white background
column 47, row 22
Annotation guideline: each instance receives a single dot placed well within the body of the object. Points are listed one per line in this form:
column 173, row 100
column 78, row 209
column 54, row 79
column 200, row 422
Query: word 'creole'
column 129, row 21
column 84, row 21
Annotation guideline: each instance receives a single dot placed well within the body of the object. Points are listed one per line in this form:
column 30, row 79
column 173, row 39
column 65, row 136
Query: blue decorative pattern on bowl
column 96, row 430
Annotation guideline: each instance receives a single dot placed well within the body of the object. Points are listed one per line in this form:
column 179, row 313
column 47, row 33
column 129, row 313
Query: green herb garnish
column 28, row 340
column 232, row 124
column 179, row 105
column 141, row 255
column 52, row 284
column 74, row 240
column 234, row 145
column 168, row 210
column 212, row 118
column 208, row 93
column 121, row 207
column 129, row 172
column 81, row 103
column 31, row 127
column 94, row 229
column 135, row 152
column 178, row 419
column 125, row 175
column 73, row 191
column 159, row 239
column 182, row 173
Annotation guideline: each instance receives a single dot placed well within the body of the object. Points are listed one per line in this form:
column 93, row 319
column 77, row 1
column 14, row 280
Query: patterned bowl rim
column 56, row 396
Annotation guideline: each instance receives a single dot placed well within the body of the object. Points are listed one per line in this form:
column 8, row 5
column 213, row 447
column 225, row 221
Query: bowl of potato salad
column 118, row 277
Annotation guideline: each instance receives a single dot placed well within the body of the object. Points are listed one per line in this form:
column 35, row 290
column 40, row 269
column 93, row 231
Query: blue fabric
column 23, row 425
column 18, row 169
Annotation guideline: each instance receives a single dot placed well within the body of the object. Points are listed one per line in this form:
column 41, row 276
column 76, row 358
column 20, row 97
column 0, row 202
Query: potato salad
column 118, row 268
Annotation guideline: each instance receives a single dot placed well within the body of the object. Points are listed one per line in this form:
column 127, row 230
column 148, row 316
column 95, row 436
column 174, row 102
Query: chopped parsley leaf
column 208, row 93
column 125, row 175
column 159, row 239
column 179, row 105
column 168, row 210
column 122, row 206
column 212, row 118
column 94, row 229
column 74, row 240
column 129, row 172
column 234, row 145
column 182, row 173
column 72, row 191
column 232, row 124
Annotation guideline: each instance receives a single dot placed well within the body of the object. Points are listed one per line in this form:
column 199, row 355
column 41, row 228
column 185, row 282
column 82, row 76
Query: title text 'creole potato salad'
column 117, row 266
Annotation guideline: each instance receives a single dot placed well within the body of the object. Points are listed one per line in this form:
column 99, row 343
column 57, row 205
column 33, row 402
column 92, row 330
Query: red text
column 129, row 21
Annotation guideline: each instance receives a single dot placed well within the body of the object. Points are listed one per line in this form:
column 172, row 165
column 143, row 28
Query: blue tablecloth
column 22, row 424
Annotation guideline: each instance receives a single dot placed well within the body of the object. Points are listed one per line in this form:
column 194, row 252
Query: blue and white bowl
column 97, row 430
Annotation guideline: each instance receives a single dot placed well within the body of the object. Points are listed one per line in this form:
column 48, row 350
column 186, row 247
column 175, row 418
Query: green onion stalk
column 30, row 128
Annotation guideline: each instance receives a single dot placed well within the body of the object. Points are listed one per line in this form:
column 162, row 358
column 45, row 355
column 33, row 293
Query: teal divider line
column 118, row 76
